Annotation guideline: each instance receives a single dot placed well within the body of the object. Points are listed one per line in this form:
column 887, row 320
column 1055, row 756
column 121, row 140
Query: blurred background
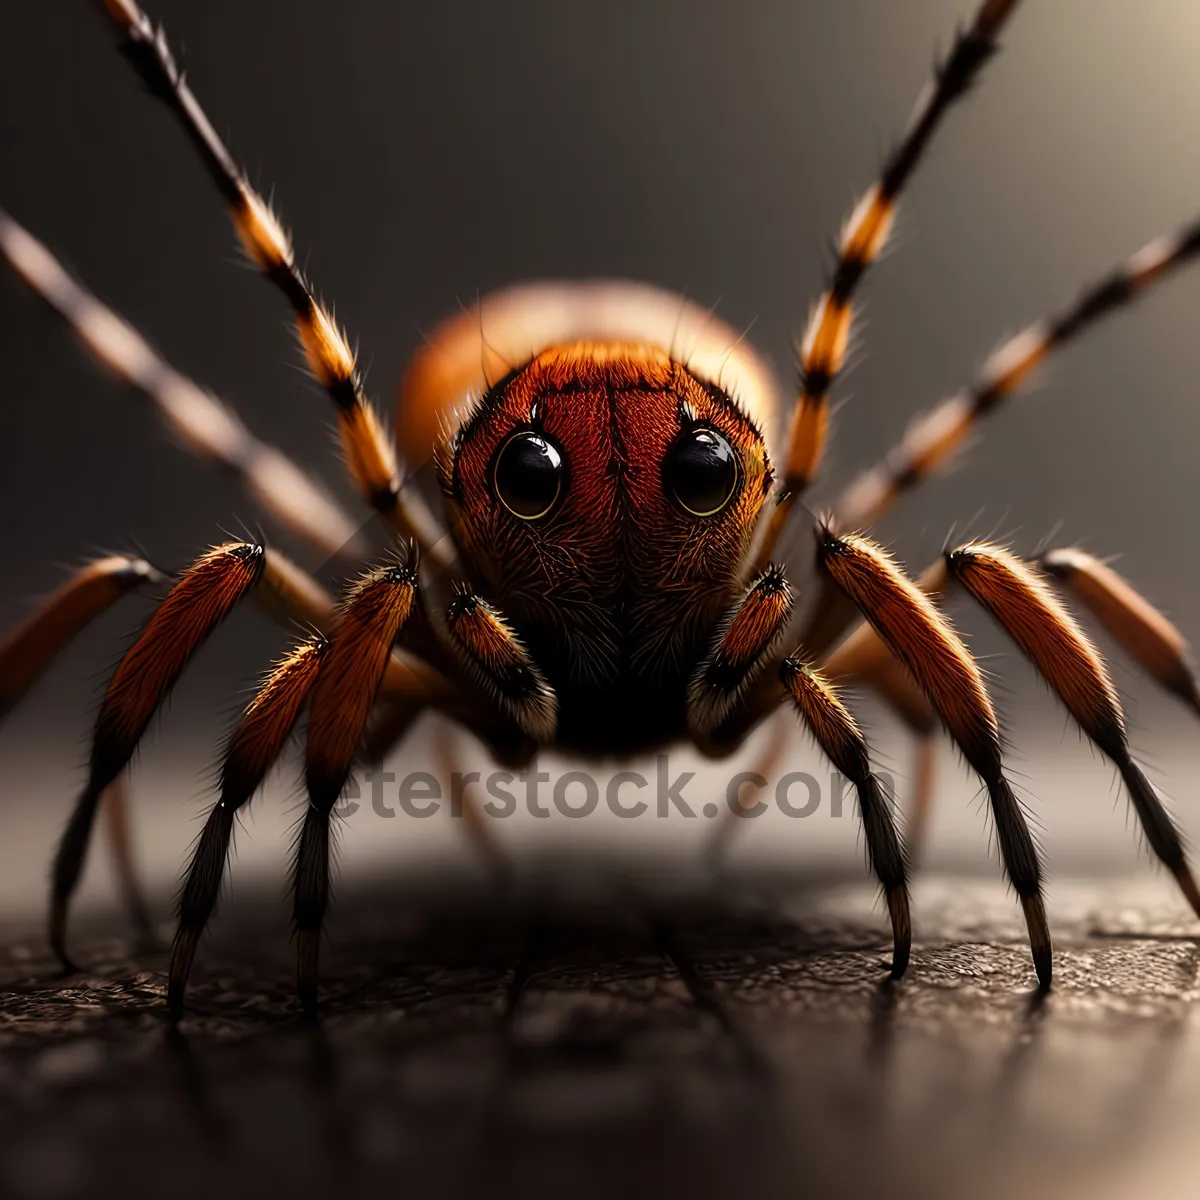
column 423, row 155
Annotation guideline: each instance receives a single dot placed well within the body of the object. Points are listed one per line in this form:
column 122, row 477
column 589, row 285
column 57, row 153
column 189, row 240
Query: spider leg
column 932, row 440
column 741, row 646
column 768, row 758
column 838, row 735
column 823, row 348
column 204, row 595
column 1021, row 600
column 863, row 657
column 923, row 639
column 27, row 652
column 342, row 697
column 114, row 805
column 1138, row 627
column 475, row 821
column 924, row 774
column 493, row 653
column 202, row 423
column 250, row 753
column 290, row 596
column 368, row 450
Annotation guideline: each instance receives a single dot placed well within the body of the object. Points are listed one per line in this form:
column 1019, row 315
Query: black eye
column 700, row 471
column 529, row 475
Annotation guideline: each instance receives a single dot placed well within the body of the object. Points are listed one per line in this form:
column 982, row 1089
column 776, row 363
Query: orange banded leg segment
column 198, row 419
column 1021, row 600
column 742, row 644
column 343, row 695
column 496, row 657
column 838, row 735
column 934, row 439
column 252, row 750
column 923, row 639
column 367, row 448
column 826, row 338
column 28, row 650
column 203, row 597
column 864, row 658
column 1138, row 627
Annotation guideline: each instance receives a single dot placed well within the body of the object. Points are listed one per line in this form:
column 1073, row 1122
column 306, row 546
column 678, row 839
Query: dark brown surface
column 742, row 1049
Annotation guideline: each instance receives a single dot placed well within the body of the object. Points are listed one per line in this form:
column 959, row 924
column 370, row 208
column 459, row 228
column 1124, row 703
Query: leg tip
column 1040, row 945
column 897, row 902
column 58, row 945
column 306, row 970
column 1187, row 885
column 183, row 953
column 56, row 935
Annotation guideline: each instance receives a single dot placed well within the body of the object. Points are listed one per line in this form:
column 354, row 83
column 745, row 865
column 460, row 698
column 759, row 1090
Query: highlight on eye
column 700, row 471
column 529, row 475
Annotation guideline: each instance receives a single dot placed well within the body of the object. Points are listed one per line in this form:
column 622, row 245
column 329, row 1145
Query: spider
column 597, row 564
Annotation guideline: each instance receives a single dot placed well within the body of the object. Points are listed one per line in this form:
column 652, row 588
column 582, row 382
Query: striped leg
column 1021, row 600
column 932, row 440
column 838, row 735
column 201, row 422
column 252, row 750
column 742, row 645
column 343, row 695
column 827, row 336
column 368, row 449
column 921, row 637
column 1138, row 627
column 495, row 656
column 203, row 597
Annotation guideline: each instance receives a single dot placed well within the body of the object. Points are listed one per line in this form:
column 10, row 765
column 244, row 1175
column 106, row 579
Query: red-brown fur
column 618, row 590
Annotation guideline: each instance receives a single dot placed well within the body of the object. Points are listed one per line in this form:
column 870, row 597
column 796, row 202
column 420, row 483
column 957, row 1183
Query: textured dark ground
column 686, row 1047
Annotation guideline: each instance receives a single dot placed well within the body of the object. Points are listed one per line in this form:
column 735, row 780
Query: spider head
column 608, row 496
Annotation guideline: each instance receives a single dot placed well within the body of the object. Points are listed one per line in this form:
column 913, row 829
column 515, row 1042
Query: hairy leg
column 1143, row 632
column 934, row 439
column 205, row 594
column 838, row 735
column 495, row 657
column 208, row 428
column 922, row 638
column 741, row 647
column 1021, row 600
column 368, row 450
column 826, row 339
column 340, row 703
column 250, row 753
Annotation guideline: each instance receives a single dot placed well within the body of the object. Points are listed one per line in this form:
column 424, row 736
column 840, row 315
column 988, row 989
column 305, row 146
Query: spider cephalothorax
column 606, row 497
column 608, row 584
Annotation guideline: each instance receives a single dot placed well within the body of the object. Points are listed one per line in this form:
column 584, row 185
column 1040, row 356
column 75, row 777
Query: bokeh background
column 425, row 154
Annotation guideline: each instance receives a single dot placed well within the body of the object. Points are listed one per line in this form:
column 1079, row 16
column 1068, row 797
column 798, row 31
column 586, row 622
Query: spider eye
column 700, row 471
column 529, row 475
